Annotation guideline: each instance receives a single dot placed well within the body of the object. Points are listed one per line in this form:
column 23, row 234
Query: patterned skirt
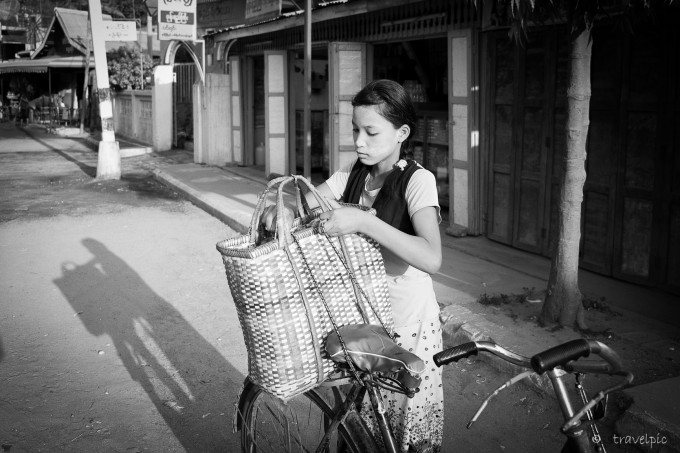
column 417, row 422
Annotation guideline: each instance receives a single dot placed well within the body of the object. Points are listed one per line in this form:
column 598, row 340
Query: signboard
column 222, row 14
column 120, row 30
column 261, row 10
column 177, row 20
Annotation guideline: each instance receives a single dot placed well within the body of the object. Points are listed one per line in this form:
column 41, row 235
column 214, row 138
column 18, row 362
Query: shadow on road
column 87, row 169
column 183, row 375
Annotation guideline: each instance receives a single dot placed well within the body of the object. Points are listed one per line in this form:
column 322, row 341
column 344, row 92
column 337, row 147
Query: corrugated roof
column 74, row 24
column 317, row 4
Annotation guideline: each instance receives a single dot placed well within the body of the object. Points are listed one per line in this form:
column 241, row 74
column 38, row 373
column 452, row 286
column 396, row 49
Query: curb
column 646, row 432
column 196, row 198
column 460, row 325
column 636, row 426
column 651, row 421
column 133, row 151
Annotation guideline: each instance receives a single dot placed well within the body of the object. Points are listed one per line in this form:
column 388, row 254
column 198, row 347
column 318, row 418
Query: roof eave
column 44, row 40
column 72, row 41
column 326, row 11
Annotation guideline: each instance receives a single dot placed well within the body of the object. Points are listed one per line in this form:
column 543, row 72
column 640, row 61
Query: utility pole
column 86, row 78
column 108, row 163
column 307, row 113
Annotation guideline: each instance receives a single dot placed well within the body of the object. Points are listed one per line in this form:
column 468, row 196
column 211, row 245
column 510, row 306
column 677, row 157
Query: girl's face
column 376, row 140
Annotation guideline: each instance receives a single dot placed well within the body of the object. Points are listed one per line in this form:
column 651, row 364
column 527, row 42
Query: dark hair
column 393, row 103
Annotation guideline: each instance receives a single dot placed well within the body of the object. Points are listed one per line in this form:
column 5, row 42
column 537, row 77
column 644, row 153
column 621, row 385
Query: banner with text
column 177, row 20
column 121, row 30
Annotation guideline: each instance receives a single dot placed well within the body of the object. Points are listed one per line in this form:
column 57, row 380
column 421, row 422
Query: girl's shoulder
column 421, row 175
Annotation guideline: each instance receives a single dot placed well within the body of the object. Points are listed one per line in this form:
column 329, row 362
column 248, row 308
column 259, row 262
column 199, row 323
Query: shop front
column 630, row 213
column 425, row 46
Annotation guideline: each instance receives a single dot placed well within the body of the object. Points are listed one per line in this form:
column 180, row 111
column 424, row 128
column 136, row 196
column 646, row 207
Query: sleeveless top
column 390, row 204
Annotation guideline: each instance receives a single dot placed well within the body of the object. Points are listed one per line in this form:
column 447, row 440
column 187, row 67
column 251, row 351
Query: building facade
column 491, row 118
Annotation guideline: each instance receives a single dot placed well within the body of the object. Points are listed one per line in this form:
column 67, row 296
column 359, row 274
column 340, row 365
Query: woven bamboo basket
column 279, row 289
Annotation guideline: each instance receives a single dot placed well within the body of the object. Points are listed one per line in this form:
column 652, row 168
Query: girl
column 406, row 226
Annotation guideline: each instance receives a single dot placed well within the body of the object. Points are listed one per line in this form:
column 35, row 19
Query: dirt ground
column 54, row 188
column 650, row 351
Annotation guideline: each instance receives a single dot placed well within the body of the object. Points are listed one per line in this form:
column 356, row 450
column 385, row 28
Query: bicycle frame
column 577, row 437
column 578, row 441
column 355, row 397
column 556, row 362
column 349, row 390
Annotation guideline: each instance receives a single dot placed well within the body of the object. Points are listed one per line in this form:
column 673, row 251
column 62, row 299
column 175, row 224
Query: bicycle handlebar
column 464, row 350
column 567, row 352
column 564, row 355
column 558, row 356
column 455, row 353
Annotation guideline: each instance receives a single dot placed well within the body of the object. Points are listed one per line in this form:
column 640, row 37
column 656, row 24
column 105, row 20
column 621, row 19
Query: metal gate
column 182, row 106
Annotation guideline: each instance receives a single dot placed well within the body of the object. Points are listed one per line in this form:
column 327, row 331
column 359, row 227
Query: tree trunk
column 563, row 303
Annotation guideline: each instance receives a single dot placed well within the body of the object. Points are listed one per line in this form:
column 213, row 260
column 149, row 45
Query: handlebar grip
column 560, row 355
column 455, row 353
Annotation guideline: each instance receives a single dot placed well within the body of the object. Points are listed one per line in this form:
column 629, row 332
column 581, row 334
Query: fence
column 132, row 115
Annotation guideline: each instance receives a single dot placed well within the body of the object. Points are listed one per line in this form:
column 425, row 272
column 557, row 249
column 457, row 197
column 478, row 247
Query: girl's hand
column 345, row 220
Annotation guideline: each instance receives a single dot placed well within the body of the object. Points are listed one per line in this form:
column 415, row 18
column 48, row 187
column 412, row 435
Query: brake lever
column 506, row 384
column 576, row 419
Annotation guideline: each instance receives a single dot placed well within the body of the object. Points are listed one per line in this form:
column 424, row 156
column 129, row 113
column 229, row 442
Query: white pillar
column 108, row 162
column 162, row 108
column 198, row 99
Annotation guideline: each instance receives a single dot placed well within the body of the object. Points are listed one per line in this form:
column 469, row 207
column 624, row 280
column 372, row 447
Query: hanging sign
column 120, row 30
column 177, row 20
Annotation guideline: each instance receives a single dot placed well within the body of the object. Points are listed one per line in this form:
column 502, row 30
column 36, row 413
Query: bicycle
column 327, row 419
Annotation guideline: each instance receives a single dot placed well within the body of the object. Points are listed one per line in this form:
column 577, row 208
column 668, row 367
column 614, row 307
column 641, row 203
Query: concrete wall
column 132, row 115
column 212, row 120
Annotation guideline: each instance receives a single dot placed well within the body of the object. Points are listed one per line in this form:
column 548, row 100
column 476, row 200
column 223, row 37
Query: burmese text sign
column 177, row 20
column 121, row 30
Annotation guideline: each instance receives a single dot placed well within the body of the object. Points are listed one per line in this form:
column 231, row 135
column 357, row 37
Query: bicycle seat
column 373, row 351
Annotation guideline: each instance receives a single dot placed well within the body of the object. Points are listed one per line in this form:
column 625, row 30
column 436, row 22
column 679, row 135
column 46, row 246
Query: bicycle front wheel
column 269, row 425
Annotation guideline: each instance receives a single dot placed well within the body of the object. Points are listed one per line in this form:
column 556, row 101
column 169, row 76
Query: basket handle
column 259, row 207
column 282, row 228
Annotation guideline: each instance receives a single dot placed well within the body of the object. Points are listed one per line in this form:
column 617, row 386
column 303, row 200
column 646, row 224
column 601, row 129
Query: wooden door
column 521, row 120
column 236, row 112
column 630, row 222
column 277, row 146
column 347, row 74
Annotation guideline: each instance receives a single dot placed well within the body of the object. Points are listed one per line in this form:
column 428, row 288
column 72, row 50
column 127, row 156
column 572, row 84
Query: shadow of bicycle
column 184, row 376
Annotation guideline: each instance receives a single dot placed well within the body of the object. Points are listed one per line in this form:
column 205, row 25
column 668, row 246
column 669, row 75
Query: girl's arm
column 268, row 218
column 327, row 194
column 422, row 250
